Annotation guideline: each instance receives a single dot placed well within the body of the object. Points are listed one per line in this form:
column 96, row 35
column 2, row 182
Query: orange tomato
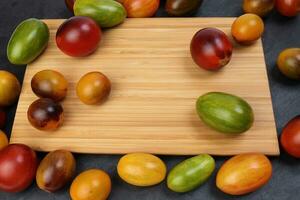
column 93, row 184
column 141, row 8
column 244, row 173
column 3, row 140
column 247, row 28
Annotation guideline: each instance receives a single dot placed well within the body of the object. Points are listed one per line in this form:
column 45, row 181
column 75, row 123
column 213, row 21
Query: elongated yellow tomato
column 3, row 140
column 93, row 184
column 141, row 169
column 244, row 173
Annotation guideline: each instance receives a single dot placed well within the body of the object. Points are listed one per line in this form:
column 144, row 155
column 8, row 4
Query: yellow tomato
column 141, row 169
column 93, row 184
column 244, row 173
column 3, row 140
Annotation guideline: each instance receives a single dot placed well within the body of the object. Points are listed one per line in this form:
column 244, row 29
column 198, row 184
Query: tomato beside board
column 182, row 7
column 288, row 8
column 10, row 88
column 244, row 173
column 78, row 36
column 288, row 63
column 290, row 137
column 3, row 140
column 211, row 49
column 258, row 7
column 18, row 164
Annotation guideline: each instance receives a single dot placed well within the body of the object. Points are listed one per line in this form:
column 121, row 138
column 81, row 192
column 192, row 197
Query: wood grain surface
column 155, row 85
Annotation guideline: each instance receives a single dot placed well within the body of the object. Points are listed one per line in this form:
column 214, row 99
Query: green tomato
column 107, row 13
column 27, row 42
column 225, row 112
column 191, row 173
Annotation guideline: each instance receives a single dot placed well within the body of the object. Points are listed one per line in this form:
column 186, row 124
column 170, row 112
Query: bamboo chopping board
column 155, row 85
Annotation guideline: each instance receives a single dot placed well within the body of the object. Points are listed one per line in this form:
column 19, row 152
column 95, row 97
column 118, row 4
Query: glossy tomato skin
column 244, row 173
column 288, row 8
column 288, row 63
column 290, row 137
column 78, row 36
column 18, row 164
column 70, row 4
column 211, row 49
column 258, row 7
column 141, row 8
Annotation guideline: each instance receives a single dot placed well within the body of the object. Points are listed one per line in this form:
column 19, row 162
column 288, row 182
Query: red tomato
column 70, row 4
column 2, row 118
column 141, row 8
column 290, row 137
column 78, row 36
column 18, row 164
column 288, row 8
column 211, row 49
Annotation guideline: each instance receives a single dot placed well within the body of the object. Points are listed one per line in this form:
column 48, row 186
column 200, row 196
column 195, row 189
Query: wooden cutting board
column 155, row 85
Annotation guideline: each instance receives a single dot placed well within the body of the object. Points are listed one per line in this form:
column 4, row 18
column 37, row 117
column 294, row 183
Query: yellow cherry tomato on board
column 247, row 28
column 3, row 140
column 141, row 169
column 93, row 184
column 244, row 173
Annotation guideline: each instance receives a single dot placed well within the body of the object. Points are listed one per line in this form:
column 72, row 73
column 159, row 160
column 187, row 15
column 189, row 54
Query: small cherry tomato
column 211, row 49
column 288, row 8
column 93, row 184
column 288, row 63
column 78, row 36
column 258, row 7
column 2, row 118
column 247, row 28
column 10, row 88
column 70, row 4
column 290, row 137
column 244, row 173
column 3, row 140
column 141, row 8
column 18, row 164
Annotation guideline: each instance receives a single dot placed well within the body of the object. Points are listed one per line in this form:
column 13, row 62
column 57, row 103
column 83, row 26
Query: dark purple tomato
column 70, row 4
column 2, row 118
column 211, row 49
column 18, row 164
column 290, row 137
column 289, row 8
column 78, row 36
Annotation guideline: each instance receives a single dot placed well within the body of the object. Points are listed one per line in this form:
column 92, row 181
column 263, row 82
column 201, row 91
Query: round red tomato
column 18, row 164
column 70, row 5
column 290, row 137
column 288, row 8
column 78, row 36
column 211, row 49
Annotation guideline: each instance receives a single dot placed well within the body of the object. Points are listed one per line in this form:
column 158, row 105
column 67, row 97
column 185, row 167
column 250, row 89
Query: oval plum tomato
column 289, row 8
column 211, row 49
column 18, row 164
column 70, row 4
column 141, row 8
column 290, row 137
column 78, row 36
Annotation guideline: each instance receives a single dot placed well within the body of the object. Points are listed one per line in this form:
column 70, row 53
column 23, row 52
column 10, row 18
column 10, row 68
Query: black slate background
column 280, row 33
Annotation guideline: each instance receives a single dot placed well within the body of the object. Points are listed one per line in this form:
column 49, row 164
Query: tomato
column 211, row 49
column 18, row 164
column 70, row 4
column 180, row 8
column 45, row 114
column 290, row 137
column 2, row 118
column 288, row 63
column 141, row 169
column 49, row 84
column 3, row 140
column 55, row 170
column 289, row 8
column 93, row 184
column 258, row 7
column 78, row 36
column 10, row 88
column 244, row 173
column 141, row 8
column 93, row 88
column 247, row 28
